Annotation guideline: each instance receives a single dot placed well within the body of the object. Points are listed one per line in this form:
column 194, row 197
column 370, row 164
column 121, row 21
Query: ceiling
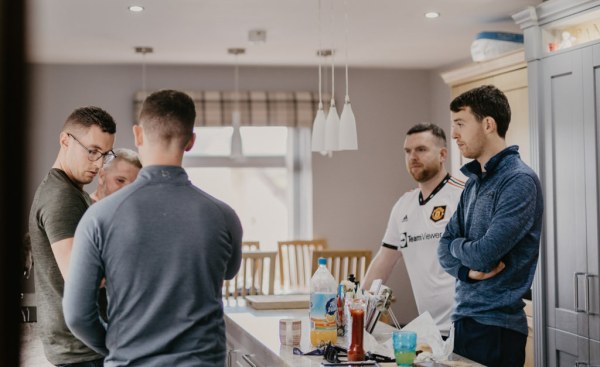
column 381, row 33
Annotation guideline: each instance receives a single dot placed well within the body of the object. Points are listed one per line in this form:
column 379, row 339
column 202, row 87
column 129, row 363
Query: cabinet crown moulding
column 551, row 11
column 511, row 61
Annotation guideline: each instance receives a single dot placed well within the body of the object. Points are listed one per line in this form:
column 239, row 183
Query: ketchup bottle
column 356, row 352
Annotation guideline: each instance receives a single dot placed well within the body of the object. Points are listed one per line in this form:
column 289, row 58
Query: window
column 266, row 141
column 270, row 189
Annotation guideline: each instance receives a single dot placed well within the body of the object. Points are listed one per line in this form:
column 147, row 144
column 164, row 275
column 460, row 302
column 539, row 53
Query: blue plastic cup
column 405, row 347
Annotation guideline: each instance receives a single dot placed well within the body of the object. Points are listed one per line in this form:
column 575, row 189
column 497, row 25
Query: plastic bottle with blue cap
column 323, row 306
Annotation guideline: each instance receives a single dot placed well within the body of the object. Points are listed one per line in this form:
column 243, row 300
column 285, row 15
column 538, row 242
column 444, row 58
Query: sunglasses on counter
column 332, row 353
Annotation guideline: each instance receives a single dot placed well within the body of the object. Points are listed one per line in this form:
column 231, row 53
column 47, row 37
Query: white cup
column 290, row 331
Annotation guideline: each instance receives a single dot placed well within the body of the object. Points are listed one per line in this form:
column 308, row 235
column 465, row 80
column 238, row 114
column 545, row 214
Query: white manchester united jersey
column 415, row 227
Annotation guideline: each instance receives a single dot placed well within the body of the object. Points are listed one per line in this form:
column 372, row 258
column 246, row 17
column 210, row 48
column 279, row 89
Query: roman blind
column 257, row 108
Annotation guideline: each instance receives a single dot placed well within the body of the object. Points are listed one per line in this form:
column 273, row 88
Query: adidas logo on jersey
column 405, row 219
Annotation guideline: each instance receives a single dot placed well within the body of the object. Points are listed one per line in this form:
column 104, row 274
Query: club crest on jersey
column 438, row 213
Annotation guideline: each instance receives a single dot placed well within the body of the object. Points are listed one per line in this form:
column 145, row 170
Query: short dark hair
column 87, row 117
column 484, row 101
column 436, row 131
column 169, row 114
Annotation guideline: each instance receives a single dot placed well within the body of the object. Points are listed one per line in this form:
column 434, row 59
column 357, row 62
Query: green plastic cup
column 405, row 347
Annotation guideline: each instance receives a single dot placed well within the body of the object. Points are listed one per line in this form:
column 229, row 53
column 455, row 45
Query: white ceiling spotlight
column 432, row 15
column 136, row 8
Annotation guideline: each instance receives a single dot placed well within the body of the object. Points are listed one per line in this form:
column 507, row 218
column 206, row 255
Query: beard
column 423, row 174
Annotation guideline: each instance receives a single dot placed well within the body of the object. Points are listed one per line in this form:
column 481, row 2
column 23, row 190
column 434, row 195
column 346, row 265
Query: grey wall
column 353, row 191
column 440, row 106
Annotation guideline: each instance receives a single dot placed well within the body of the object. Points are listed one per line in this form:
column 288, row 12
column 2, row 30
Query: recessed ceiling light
column 432, row 15
column 136, row 8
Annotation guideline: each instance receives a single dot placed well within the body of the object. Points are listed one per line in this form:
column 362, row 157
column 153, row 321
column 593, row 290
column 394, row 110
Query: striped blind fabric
column 257, row 108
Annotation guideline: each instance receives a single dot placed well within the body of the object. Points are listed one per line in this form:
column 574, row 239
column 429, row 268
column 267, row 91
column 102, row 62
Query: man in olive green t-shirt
column 86, row 141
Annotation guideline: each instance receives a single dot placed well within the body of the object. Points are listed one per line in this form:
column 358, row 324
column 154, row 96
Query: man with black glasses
column 86, row 142
column 164, row 254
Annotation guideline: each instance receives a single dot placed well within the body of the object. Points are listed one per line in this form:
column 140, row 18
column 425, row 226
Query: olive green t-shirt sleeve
column 62, row 210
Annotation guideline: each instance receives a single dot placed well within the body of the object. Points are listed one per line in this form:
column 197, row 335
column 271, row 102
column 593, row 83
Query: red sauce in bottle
column 356, row 351
column 341, row 327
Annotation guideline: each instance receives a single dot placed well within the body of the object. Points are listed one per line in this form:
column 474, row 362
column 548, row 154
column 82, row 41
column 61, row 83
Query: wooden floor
column 32, row 352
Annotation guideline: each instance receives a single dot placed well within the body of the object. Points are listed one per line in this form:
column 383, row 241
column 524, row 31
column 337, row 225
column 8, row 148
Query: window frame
column 298, row 164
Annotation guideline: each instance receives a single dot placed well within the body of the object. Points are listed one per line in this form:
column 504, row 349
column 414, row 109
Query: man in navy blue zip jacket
column 491, row 243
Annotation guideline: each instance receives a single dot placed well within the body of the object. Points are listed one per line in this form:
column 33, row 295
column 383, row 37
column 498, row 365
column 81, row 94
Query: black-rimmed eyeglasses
column 94, row 154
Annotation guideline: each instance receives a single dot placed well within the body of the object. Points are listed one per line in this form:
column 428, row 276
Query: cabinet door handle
column 576, row 287
column 230, row 353
column 588, row 296
column 246, row 357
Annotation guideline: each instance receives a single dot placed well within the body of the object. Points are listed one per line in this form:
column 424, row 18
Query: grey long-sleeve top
column 165, row 248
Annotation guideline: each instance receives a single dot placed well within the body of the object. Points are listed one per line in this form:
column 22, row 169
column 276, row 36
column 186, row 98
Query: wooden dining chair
column 295, row 258
column 343, row 262
column 256, row 275
column 250, row 246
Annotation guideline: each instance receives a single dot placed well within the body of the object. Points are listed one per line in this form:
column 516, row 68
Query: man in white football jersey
column 417, row 223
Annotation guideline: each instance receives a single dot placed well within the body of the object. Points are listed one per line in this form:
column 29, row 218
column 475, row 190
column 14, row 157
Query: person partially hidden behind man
column 117, row 173
column 164, row 253
column 417, row 222
column 491, row 244
column 113, row 176
column 86, row 141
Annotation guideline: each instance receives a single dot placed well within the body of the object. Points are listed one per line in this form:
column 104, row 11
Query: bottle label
column 323, row 310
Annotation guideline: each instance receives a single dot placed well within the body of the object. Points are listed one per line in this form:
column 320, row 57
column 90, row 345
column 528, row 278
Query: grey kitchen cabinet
column 592, row 98
column 570, row 179
column 567, row 349
column 564, row 94
column 565, row 211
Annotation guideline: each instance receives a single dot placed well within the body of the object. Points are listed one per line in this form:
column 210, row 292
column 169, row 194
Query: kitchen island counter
column 253, row 338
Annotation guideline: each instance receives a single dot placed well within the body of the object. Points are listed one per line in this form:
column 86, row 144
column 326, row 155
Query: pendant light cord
column 332, row 53
column 346, row 36
column 144, row 50
column 320, row 56
column 144, row 74
column 236, row 85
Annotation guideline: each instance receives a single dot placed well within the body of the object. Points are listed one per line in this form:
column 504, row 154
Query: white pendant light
column 237, row 151
column 347, row 129
column 332, row 128
column 348, row 140
column 318, row 133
